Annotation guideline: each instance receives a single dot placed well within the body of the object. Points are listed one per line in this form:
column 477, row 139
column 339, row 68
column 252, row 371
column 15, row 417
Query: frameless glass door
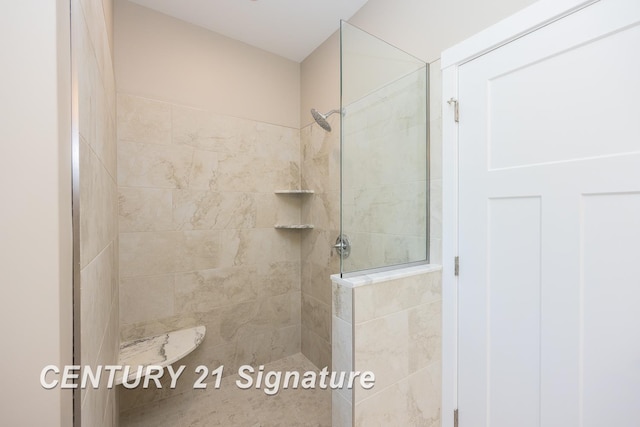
column 384, row 150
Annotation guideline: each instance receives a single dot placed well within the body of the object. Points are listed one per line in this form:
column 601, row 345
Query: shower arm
column 333, row 111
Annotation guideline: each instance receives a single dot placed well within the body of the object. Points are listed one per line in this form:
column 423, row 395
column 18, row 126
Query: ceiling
column 289, row 28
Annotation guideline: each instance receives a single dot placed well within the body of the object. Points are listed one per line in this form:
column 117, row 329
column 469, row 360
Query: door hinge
column 455, row 418
column 456, row 109
column 456, row 268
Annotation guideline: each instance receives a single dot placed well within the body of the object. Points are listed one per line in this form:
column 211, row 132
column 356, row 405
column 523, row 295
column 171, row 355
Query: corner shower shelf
column 159, row 350
column 293, row 226
column 294, row 192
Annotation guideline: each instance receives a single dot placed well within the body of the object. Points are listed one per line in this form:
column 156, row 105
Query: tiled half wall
column 389, row 323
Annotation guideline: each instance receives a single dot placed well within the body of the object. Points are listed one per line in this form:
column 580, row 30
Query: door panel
column 611, row 323
column 513, row 310
column 549, row 220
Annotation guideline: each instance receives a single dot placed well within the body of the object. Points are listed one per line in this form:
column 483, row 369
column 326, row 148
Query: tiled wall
column 98, row 203
column 321, row 173
column 392, row 328
column 197, row 244
column 384, row 179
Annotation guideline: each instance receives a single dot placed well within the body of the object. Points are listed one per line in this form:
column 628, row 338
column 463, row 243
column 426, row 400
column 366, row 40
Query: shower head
column 321, row 119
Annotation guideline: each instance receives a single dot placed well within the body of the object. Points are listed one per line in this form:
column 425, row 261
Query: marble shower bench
column 159, row 350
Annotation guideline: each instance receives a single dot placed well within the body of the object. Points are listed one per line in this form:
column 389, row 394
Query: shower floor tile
column 231, row 406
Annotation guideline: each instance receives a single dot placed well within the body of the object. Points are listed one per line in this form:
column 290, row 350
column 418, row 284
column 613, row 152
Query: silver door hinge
column 456, row 109
column 455, row 418
column 456, row 268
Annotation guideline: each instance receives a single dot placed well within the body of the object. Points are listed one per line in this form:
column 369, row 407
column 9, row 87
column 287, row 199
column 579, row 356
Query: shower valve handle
column 343, row 246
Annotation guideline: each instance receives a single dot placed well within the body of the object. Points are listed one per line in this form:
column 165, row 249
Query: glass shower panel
column 384, row 149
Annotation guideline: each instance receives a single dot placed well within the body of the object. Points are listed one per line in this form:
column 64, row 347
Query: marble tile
column 414, row 401
column 343, row 302
column 88, row 74
column 110, row 348
column 268, row 346
column 278, row 277
column 146, row 298
column 147, row 254
column 425, row 335
column 153, row 253
column 247, row 172
column 252, row 318
column 382, row 347
column 342, row 351
column 315, row 348
column 380, row 299
column 321, row 279
column 282, row 144
column 342, row 412
column 274, row 209
column 205, row 130
column 203, row 170
column 111, row 411
column 206, row 210
column 97, row 281
column 143, row 120
column 255, row 246
column 145, row 209
column 205, row 290
column 95, row 19
column 168, row 323
column 98, row 205
column 316, row 316
column 165, row 166
column 320, row 159
column 198, row 250
column 317, row 247
column 316, row 280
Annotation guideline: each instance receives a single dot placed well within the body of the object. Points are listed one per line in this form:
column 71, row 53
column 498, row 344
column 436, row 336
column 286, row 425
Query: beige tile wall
column 392, row 328
column 197, row 244
column 98, row 202
column 320, row 171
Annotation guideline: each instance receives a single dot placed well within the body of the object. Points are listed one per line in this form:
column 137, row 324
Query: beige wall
column 98, row 202
column 163, row 58
column 35, row 183
column 423, row 28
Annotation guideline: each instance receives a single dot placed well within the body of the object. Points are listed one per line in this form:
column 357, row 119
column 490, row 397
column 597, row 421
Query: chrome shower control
column 343, row 246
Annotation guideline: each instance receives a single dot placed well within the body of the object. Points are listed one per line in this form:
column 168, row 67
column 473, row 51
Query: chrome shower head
column 321, row 119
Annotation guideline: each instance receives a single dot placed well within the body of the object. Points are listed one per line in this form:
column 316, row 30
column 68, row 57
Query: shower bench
column 158, row 350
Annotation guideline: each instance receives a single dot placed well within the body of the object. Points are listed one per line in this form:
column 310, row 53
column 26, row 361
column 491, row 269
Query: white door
column 549, row 225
